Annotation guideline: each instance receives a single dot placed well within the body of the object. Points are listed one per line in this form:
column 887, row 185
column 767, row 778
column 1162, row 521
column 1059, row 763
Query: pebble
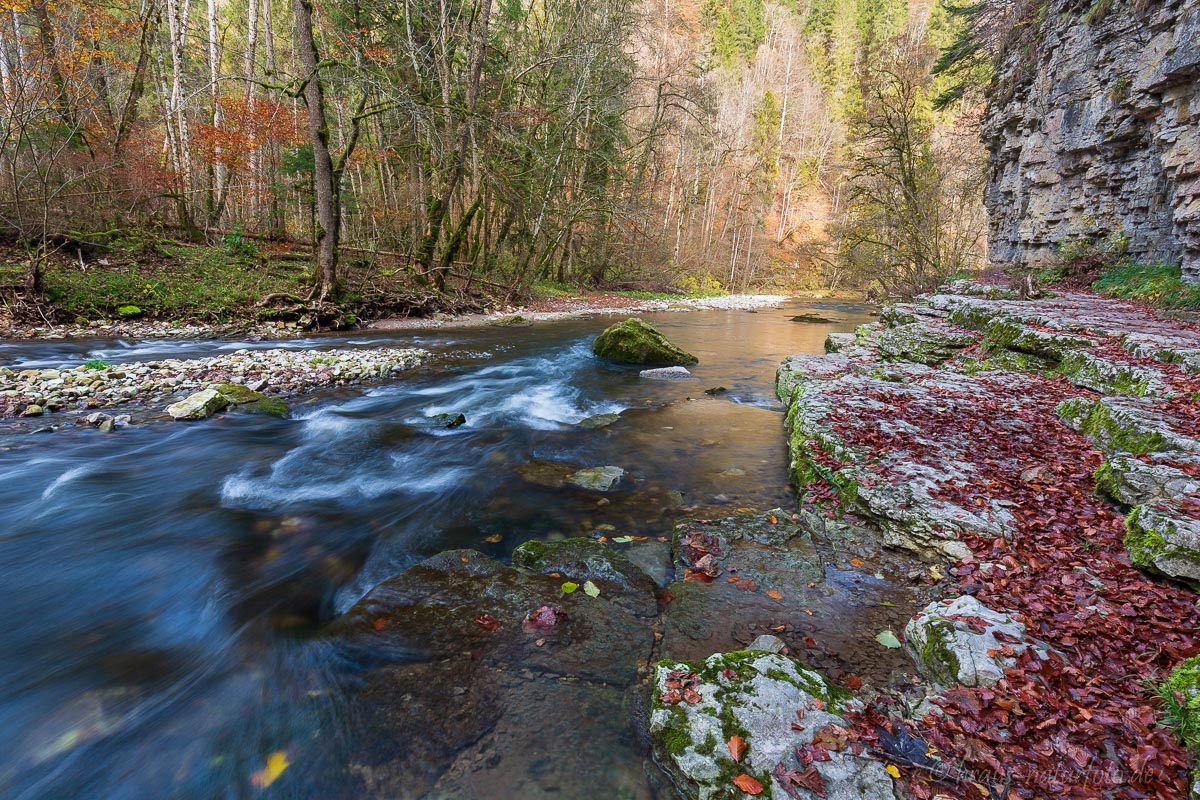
column 276, row 372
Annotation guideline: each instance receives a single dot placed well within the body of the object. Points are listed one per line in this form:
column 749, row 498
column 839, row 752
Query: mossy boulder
column 597, row 479
column 252, row 402
column 636, row 341
column 1109, row 377
column 923, row 343
column 599, row 421
column 754, row 695
column 1132, row 482
column 1162, row 539
column 948, row 649
column 1124, row 425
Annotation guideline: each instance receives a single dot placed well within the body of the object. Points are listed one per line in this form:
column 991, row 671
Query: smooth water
column 161, row 585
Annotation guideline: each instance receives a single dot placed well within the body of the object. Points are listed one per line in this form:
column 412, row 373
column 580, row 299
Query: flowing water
column 162, row 586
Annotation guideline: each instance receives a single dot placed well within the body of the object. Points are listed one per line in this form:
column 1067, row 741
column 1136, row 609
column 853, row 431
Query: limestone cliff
column 1094, row 127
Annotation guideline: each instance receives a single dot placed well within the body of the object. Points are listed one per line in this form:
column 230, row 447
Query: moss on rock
column 636, row 341
column 1181, row 696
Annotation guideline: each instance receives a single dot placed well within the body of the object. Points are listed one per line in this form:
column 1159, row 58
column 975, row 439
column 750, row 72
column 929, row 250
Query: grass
column 643, row 295
column 178, row 282
column 1158, row 284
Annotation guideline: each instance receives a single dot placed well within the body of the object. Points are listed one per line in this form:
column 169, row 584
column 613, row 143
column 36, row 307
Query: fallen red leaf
column 737, row 747
column 748, row 784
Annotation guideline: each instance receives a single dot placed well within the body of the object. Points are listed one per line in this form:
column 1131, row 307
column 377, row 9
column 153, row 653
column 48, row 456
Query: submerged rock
column 666, row 374
column 446, row 693
column 599, row 421
column 580, row 560
column 959, row 642
column 201, row 405
column 698, row 707
column 635, row 341
column 597, row 479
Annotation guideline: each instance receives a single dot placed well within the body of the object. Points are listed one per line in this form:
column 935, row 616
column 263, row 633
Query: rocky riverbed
column 278, row 373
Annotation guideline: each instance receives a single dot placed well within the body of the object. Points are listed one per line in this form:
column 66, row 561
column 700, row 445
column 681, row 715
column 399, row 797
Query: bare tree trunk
column 137, row 86
column 327, row 189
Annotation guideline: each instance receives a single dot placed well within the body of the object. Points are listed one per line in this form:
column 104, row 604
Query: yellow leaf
column 277, row 762
column 892, row 770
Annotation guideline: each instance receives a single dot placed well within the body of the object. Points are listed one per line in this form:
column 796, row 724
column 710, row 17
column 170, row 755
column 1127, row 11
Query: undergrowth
column 1159, row 284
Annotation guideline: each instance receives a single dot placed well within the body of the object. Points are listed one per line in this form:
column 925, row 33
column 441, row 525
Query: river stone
column 597, row 479
column 237, row 394
column 432, row 698
column 948, row 651
column 635, row 341
column 755, row 695
column 33, row 410
column 580, row 560
column 599, row 421
column 1165, row 539
column 201, row 405
column 666, row 374
column 448, row 420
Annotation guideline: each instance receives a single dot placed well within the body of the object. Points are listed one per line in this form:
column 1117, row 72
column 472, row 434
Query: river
column 165, row 586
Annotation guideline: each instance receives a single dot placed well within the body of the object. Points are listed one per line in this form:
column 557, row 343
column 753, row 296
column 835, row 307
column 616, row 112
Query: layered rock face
column 1095, row 129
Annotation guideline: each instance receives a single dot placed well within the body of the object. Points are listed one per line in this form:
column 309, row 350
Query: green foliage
column 129, row 311
column 198, row 282
column 1180, row 696
column 1098, row 12
column 737, row 28
column 234, row 243
column 1159, row 284
column 96, row 364
column 964, row 67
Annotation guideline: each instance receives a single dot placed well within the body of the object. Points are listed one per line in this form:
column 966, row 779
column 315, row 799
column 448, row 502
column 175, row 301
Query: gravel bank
column 279, row 373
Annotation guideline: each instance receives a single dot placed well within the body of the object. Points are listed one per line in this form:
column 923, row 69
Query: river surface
column 163, row 587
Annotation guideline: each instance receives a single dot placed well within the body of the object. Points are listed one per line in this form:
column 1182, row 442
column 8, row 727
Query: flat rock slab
column 597, row 479
column 666, row 374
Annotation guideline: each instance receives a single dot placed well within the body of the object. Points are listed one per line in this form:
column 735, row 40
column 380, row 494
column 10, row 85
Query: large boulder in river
column 742, row 716
column 635, row 341
column 201, row 405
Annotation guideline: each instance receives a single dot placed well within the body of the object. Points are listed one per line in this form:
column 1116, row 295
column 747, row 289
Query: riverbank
column 149, row 386
column 550, row 308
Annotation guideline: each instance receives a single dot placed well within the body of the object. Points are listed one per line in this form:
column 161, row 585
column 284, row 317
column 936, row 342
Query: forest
column 497, row 145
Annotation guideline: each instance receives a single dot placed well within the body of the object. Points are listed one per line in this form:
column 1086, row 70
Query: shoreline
column 544, row 309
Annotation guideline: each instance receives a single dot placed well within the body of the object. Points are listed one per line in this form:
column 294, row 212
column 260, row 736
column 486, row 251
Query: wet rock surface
column 473, row 664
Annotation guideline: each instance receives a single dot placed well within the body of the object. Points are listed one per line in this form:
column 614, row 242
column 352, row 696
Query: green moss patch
column 636, row 341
